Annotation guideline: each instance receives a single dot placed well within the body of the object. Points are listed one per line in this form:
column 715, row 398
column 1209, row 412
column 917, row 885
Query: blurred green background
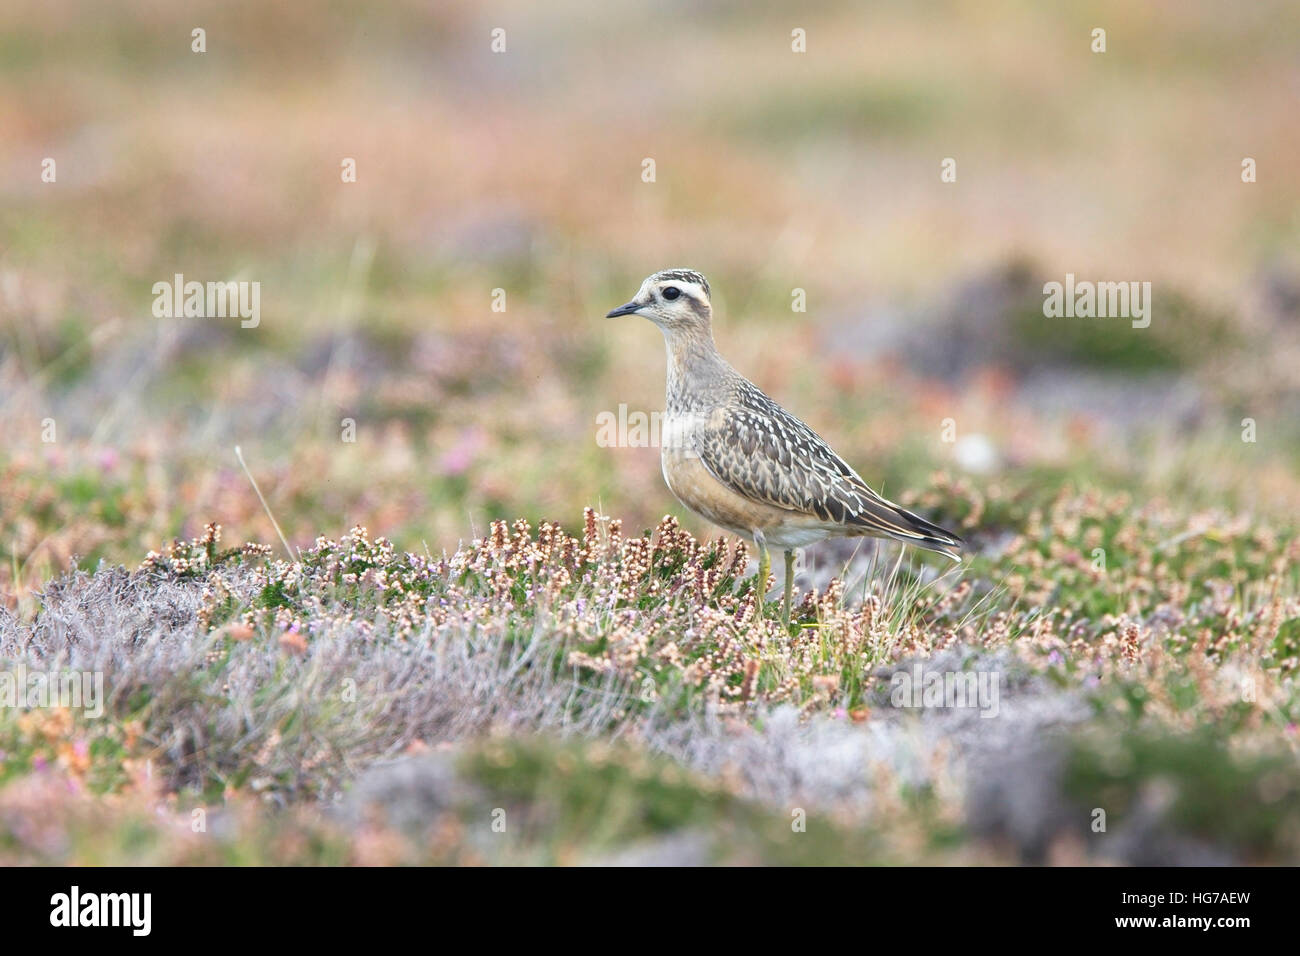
column 522, row 171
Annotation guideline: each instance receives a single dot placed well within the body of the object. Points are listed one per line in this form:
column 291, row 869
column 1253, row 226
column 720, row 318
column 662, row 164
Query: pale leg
column 789, row 586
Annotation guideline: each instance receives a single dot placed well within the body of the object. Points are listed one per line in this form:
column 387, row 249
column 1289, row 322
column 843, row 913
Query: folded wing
column 761, row 451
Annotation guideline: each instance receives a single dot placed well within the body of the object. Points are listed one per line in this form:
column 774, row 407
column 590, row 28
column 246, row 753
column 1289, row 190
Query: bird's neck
column 695, row 367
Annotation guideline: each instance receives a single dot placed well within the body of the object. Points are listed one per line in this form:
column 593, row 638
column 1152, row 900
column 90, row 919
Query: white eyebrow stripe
column 683, row 276
column 690, row 289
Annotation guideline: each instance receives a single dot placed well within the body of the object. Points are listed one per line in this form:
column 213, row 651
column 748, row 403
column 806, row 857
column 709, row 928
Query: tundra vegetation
column 490, row 636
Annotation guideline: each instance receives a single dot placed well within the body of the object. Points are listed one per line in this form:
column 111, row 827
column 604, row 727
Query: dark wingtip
column 936, row 535
column 889, row 520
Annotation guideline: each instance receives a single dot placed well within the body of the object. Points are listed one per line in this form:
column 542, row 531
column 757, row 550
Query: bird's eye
column 672, row 292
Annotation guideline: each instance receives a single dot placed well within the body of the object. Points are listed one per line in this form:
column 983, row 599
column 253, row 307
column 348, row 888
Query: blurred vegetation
column 776, row 171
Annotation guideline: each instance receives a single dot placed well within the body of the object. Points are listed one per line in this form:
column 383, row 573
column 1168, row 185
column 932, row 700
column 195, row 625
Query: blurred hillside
column 1132, row 591
column 522, row 170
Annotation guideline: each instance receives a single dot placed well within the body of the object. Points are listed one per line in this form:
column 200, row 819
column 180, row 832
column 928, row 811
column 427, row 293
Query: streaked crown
column 689, row 276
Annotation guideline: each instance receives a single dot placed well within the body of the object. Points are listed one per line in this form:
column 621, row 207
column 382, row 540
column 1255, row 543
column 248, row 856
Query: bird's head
column 676, row 300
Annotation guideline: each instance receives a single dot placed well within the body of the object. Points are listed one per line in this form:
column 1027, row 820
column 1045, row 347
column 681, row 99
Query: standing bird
column 737, row 458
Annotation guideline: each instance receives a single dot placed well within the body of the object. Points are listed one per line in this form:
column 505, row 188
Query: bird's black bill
column 623, row 310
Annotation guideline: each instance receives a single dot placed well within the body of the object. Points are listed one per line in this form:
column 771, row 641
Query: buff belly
column 691, row 481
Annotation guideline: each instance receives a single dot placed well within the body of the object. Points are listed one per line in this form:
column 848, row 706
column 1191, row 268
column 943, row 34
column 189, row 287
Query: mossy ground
column 1129, row 494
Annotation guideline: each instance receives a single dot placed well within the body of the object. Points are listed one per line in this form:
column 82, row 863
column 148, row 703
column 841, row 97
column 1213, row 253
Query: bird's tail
column 884, row 519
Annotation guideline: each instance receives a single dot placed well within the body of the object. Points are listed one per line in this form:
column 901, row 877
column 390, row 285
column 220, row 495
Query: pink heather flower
column 108, row 459
column 457, row 459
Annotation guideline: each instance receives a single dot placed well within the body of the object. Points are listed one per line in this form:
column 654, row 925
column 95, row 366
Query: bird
column 736, row 458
